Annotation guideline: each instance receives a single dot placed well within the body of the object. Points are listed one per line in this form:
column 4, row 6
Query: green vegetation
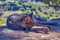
column 45, row 12
column 2, row 21
column 54, row 2
column 41, row 11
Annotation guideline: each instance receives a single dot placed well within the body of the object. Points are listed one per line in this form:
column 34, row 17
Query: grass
column 2, row 21
column 39, row 13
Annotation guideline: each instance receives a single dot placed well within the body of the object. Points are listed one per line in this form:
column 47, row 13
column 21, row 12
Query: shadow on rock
column 2, row 27
column 20, row 29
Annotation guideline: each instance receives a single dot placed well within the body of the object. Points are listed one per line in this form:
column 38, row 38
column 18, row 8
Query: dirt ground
column 8, row 34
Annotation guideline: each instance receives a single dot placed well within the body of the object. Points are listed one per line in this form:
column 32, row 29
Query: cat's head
column 27, row 21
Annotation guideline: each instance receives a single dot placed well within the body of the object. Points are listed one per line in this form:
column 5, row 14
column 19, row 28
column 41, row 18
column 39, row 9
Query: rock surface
column 8, row 34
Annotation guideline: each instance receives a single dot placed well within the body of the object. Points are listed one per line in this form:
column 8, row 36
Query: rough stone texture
column 8, row 34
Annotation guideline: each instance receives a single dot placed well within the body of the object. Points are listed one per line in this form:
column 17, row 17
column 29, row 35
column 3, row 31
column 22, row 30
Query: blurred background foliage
column 2, row 21
column 45, row 9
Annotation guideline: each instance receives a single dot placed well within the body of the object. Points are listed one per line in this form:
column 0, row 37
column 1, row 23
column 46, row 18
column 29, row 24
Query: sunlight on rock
column 29, row 38
column 7, row 31
column 30, row 35
column 42, row 36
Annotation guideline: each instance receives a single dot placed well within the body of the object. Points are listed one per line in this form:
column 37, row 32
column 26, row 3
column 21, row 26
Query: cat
column 20, row 21
column 24, row 22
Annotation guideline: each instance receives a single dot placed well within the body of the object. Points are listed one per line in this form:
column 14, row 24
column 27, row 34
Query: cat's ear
column 31, row 14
